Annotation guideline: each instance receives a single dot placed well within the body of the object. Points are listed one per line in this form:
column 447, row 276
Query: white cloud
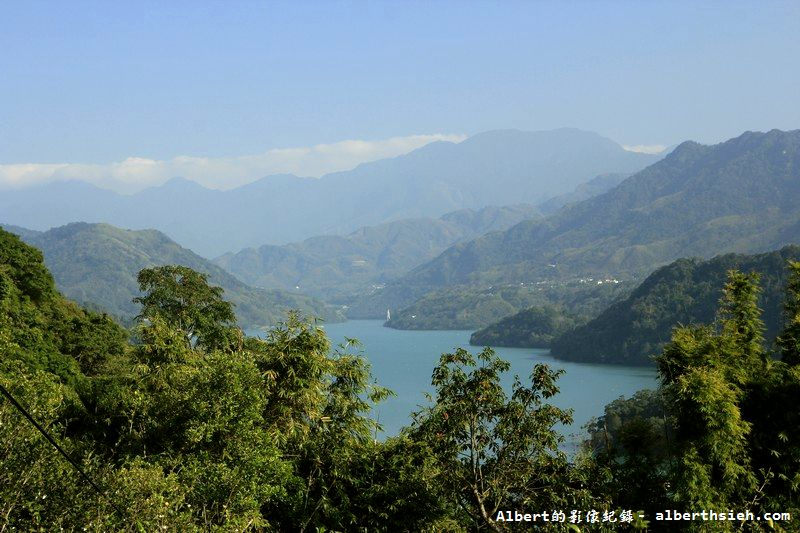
column 645, row 148
column 135, row 173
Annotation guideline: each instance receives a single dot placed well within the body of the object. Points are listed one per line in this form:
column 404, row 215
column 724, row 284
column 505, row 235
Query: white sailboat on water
column 388, row 315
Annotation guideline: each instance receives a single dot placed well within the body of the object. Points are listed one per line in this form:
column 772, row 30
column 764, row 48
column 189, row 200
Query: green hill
column 535, row 327
column 742, row 195
column 336, row 268
column 43, row 330
column 465, row 307
column 684, row 292
column 97, row 264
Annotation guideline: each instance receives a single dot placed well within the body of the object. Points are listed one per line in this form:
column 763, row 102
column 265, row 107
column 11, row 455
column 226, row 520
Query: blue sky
column 99, row 82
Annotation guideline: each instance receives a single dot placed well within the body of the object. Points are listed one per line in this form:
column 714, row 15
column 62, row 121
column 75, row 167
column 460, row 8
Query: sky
column 129, row 93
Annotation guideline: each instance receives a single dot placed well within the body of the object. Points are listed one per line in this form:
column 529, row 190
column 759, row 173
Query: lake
column 403, row 361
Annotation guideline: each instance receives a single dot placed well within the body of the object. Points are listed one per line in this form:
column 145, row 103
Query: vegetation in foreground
column 194, row 426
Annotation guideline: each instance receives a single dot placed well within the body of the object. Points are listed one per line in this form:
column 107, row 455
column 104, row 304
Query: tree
column 630, row 449
column 705, row 375
column 183, row 298
column 741, row 327
column 493, row 451
column 318, row 405
column 789, row 340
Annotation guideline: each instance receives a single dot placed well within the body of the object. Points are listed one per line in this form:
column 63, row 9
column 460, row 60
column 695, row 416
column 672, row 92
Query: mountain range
column 494, row 168
column 347, row 269
column 338, row 268
column 97, row 264
column 740, row 195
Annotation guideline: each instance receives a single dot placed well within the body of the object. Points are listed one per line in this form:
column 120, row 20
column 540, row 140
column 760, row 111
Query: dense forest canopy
column 535, row 327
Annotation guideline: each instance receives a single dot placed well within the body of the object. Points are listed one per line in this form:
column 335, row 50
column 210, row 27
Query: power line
column 55, row 444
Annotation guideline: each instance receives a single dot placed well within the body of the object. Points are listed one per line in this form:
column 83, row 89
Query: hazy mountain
column 98, row 263
column 741, row 195
column 594, row 187
column 338, row 267
column 494, row 168
column 684, row 292
column 23, row 233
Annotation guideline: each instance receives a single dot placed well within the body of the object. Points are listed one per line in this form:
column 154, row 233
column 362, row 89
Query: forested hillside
column 40, row 328
column 465, row 307
column 534, row 327
column 97, row 264
column 594, row 187
column 741, row 195
column 339, row 268
column 686, row 292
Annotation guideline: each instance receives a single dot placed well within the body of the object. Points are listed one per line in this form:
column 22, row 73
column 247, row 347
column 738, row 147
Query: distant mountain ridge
column 494, row 168
column 97, row 264
column 336, row 268
column 740, row 195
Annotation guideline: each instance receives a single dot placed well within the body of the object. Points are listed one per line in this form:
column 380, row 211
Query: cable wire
column 55, row 444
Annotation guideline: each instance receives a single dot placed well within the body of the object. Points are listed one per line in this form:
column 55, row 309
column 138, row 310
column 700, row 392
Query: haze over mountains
column 741, row 195
column 494, row 168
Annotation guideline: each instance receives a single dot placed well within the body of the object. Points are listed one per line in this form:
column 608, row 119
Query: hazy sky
column 103, row 82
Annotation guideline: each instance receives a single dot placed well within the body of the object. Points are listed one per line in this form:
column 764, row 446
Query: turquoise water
column 403, row 361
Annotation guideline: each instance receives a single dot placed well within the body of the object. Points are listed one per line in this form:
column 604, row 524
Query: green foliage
column 23, row 268
column 194, row 427
column 718, row 433
column 494, row 451
column 789, row 340
column 631, row 447
column 30, row 470
column 319, row 405
column 45, row 331
column 635, row 329
column 98, row 265
column 705, row 374
column 186, row 303
column 466, row 307
column 534, row 327
column 197, row 427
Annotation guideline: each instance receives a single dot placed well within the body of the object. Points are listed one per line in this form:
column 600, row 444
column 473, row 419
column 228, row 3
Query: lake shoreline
column 403, row 361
